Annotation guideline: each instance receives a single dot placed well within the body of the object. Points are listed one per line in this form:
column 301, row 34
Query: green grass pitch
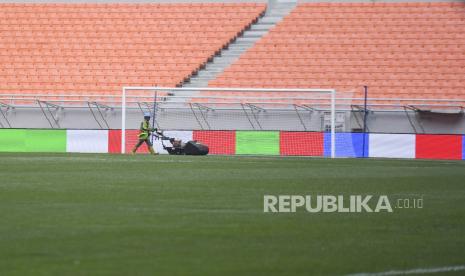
column 91, row 214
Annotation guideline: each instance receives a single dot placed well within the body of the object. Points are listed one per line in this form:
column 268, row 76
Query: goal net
column 269, row 121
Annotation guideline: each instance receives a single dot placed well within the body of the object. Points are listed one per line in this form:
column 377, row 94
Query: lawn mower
column 178, row 147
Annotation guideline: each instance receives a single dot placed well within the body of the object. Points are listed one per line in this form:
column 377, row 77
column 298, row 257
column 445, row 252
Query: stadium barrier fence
column 275, row 143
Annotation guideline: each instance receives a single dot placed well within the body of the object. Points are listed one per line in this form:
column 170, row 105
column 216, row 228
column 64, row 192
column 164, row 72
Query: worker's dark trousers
column 141, row 141
column 149, row 145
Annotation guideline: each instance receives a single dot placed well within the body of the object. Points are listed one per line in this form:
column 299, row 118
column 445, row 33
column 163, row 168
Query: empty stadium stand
column 400, row 50
column 98, row 48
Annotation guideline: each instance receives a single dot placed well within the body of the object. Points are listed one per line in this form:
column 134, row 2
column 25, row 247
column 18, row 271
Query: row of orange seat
column 128, row 7
column 382, row 6
column 202, row 45
column 377, row 15
column 114, row 28
column 114, row 31
column 159, row 44
column 395, row 39
column 385, row 13
column 336, row 61
column 181, row 15
column 346, row 74
column 38, row 74
column 375, row 86
column 352, row 47
column 120, row 26
column 116, row 6
column 416, row 69
column 115, row 88
column 174, row 58
column 374, row 20
column 133, row 39
column 342, row 38
column 361, row 55
column 9, row 53
column 99, row 66
column 319, row 28
column 11, row 20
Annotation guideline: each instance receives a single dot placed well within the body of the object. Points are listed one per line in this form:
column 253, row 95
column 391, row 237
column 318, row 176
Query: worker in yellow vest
column 144, row 135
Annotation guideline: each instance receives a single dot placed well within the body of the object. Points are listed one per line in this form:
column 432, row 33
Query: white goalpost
column 230, row 109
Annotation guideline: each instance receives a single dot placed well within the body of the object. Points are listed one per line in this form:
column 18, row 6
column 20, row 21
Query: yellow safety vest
column 144, row 130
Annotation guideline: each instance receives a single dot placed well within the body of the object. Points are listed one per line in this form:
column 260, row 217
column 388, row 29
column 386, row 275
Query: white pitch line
column 413, row 271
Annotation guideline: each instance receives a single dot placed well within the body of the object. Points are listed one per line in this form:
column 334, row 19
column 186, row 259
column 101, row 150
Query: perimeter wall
column 284, row 143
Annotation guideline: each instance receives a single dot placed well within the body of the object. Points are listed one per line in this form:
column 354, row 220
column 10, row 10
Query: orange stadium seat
column 96, row 48
column 401, row 50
